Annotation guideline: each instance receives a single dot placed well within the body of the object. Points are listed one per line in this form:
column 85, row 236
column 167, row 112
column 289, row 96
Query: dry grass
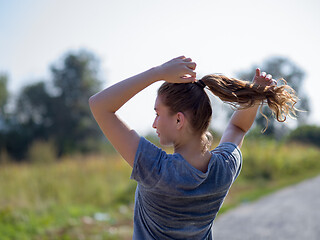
column 91, row 197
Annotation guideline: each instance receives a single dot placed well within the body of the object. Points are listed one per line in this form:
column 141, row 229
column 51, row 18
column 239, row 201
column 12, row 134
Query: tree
column 75, row 79
column 280, row 67
column 4, row 94
column 34, row 104
column 29, row 120
column 59, row 114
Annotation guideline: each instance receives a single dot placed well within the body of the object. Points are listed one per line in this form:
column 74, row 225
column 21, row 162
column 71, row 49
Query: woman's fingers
column 190, row 72
column 181, row 57
column 269, row 77
column 193, row 74
column 188, row 62
column 258, row 72
column 187, row 78
column 264, row 79
column 180, row 70
column 192, row 65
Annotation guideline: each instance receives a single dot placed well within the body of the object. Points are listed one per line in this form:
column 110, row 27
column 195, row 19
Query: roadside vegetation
column 92, row 197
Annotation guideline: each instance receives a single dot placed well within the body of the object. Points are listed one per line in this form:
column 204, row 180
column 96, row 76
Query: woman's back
column 174, row 200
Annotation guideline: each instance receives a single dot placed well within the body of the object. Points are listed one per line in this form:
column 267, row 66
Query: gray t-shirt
column 173, row 199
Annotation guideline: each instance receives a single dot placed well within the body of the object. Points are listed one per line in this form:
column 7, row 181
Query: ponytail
column 242, row 94
column 192, row 100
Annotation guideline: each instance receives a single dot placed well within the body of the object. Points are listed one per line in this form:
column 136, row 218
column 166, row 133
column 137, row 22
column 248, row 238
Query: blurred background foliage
column 56, row 110
column 61, row 179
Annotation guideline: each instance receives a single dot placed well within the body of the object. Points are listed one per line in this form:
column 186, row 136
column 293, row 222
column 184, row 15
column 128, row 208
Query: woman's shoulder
column 228, row 155
column 226, row 147
column 147, row 145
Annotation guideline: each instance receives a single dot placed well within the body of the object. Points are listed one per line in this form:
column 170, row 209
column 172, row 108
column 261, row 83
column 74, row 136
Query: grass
column 269, row 166
column 91, row 197
column 64, row 200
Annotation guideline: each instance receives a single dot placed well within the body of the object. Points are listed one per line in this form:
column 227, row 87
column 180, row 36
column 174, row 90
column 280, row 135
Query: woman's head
column 189, row 99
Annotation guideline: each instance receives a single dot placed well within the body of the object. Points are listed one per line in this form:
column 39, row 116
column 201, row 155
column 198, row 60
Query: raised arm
column 242, row 120
column 104, row 104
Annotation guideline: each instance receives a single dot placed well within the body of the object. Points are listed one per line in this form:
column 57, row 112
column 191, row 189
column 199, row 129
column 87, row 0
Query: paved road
column 292, row 213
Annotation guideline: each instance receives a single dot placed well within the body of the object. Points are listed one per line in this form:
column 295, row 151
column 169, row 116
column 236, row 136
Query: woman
column 178, row 195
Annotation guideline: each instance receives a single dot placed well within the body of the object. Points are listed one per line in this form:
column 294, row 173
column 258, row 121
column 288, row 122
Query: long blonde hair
column 280, row 99
column 191, row 99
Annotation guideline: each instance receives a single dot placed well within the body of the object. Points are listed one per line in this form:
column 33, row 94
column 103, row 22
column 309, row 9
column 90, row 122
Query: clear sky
column 130, row 36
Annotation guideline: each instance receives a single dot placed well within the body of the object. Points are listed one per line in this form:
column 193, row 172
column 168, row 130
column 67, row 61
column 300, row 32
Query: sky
column 129, row 37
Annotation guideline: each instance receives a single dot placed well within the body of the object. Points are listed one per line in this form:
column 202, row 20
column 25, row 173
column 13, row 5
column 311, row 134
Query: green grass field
column 91, row 197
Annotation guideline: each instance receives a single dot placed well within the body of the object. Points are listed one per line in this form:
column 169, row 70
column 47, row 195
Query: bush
column 42, row 152
column 272, row 160
column 4, row 156
column 307, row 134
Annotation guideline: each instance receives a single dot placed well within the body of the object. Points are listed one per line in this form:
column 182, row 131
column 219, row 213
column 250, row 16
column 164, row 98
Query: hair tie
column 200, row 83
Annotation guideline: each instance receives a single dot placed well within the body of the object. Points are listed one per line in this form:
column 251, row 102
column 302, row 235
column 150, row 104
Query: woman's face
column 164, row 123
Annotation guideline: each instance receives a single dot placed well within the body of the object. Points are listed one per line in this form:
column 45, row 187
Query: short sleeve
column 231, row 155
column 147, row 163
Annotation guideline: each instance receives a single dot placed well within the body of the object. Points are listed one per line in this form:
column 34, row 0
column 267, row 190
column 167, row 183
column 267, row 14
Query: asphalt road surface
column 292, row 213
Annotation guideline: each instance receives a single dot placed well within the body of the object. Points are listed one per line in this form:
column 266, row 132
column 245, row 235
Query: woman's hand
column 263, row 79
column 178, row 70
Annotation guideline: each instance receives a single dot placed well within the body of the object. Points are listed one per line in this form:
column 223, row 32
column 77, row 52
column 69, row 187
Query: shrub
column 4, row 156
column 42, row 152
column 269, row 159
column 307, row 134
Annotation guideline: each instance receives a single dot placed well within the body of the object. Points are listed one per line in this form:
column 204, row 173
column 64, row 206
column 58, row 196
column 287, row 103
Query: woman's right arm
column 104, row 104
column 242, row 120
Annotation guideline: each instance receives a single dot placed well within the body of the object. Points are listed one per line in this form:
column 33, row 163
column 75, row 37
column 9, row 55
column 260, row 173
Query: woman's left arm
column 242, row 120
column 104, row 104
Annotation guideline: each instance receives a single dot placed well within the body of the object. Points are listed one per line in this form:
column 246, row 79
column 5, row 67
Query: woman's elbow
column 99, row 106
column 90, row 101
column 93, row 103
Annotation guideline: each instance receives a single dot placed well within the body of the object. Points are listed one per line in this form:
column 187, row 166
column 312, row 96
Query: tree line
column 56, row 110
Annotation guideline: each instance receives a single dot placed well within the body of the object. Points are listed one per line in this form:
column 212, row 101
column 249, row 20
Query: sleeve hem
column 134, row 168
column 231, row 143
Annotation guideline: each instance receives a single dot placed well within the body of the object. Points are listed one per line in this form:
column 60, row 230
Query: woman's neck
column 192, row 151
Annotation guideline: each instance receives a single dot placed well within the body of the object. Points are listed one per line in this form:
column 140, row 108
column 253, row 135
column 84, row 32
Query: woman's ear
column 180, row 120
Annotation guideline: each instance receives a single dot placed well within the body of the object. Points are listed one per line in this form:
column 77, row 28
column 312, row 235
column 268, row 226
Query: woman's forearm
column 114, row 97
column 244, row 119
column 177, row 70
